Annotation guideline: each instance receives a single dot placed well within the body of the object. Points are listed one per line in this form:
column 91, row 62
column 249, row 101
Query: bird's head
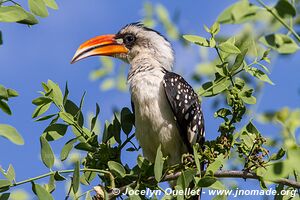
column 131, row 42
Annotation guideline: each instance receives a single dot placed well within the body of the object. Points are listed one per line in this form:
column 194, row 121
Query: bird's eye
column 129, row 39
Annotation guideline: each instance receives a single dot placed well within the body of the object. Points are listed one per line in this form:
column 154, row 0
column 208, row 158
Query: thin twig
column 219, row 82
column 276, row 16
column 61, row 172
column 221, row 59
column 126, row 141
column 296, row 179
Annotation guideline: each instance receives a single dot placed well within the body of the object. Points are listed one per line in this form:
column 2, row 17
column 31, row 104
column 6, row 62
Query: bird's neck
column 145, row 66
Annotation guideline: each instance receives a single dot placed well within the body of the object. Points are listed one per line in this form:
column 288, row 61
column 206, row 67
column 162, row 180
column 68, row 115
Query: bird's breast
column 154, row 119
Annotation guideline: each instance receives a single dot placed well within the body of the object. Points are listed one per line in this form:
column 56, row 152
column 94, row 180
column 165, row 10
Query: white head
column 134, row 41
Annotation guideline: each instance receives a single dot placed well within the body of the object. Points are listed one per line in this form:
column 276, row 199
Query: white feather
column 155, row 123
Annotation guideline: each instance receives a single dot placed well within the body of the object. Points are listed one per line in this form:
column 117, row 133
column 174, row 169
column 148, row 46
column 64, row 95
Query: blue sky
column 32, row 55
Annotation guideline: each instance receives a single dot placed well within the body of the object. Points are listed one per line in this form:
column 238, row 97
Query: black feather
column 186, row 107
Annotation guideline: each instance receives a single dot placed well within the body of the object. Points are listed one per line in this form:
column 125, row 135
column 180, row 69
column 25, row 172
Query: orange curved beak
column 104, row 45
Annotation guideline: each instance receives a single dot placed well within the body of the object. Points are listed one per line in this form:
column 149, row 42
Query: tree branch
column 218, row 174
column 278, row 18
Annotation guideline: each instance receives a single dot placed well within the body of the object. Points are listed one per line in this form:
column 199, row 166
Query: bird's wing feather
column 186, row 108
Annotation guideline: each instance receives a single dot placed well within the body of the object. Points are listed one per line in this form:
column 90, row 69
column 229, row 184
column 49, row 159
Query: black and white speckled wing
column 186, row 108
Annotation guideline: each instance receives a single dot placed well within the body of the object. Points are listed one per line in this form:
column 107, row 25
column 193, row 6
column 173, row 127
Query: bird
column 166, row 108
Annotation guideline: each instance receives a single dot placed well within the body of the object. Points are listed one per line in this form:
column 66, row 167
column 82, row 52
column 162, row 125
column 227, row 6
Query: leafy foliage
column 16, row 13
column 6, row 130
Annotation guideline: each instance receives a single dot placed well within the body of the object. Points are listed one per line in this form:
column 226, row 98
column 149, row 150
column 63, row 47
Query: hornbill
column 166, row 108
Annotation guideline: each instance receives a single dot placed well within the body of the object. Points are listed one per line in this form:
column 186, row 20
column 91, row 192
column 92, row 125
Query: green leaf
column 247, row 139
column 185, row 178
column 46, row 152
column 163, row 17
column 215, row 28
column 11, row 134
column 251, row 128
column 12, row 13
column 216, row 165
column 263, row 66
column 51, row 4
column 4, row 107
column 218, row 185
column 42, row 193
column 56, row 93
column 50, row 187
column 285, row 9
column 246, row 96
column 239, row 83
column 41, row 109
column 29, row 20
column 261, row 171
column 259, row 74
column 117, row 169
column 121, row 82
column 89, row 176
column 88, row 196
column 41, row 100
column 76, row 177
column 132, row 194
column 249, row 100
column 159, row 164
column 59, row 177
column 75, row 111
column 197, row 160
column 199, row 40
column 277, row 169
column 107, row 84
column 4, row 196
column 12, row 93
column 38, row 7
column 179, row 195
column 10, row 174
column 19, row 194
column 229, row 47
column 278, row 155
column 66, row 117
column 116, row 129
column 3, row 92
column 222, row 69
column 66, row 149
column 4, row 183
column 45, row 117
column 148, row 15
column 127, row 120
column 94, row 119
column 99, row 73
column 107, row 63
column 238, row 12
column 84, row 146
column 83, row 180
column 209, row 89
column 238, row 60
column 55, row 131
column 206, row 181
column 279, row 189
column 283, row 44
column 142, row 162
column 222, row 113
